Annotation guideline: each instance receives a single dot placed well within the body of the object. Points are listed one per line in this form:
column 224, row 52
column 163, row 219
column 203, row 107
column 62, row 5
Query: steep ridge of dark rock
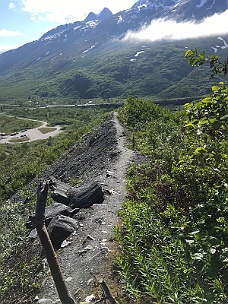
column 89, row 158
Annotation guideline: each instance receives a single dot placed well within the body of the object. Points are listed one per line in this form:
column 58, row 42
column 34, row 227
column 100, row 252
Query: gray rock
column 58, row 209
column 88, row 196
column 45, row 301
column 60, row 228
column 51, row 212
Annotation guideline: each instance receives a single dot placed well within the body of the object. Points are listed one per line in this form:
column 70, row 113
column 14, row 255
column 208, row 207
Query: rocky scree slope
column 102, row 156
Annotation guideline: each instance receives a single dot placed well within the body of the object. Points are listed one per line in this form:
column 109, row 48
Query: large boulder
column 86, row 197
column 60, row 191
column 54, row 210
column 77, row 197
column 59, row 228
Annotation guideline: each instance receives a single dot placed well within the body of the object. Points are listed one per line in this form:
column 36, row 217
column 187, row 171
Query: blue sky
column 23, row 21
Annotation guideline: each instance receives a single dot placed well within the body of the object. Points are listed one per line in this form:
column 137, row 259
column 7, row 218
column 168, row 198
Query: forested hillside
column 144, row 69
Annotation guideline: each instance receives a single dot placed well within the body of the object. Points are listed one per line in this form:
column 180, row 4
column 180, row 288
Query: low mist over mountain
column 91, row 58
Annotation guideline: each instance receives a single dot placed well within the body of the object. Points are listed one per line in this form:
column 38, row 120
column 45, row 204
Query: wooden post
column 39, row 223
column 107, row 292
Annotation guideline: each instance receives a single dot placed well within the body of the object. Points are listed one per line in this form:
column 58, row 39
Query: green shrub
column 174, row 234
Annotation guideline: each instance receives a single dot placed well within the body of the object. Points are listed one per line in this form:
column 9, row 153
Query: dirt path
column 88, row 250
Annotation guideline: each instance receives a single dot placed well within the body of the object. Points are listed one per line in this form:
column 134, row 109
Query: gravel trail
column 101, row 156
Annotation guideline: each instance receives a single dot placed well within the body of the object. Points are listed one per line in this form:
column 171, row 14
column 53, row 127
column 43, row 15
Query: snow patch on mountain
column 120, row 19
column 138, row 53
column 53, row 36
column 92, row 23
column 211, row 6
column 225, row 44
column 89, row 25
column 201, row 3
column 142, row 6
column 157, row 5
column 175, row 5
column 93, row 46
column 76, row 27
column 217, row 47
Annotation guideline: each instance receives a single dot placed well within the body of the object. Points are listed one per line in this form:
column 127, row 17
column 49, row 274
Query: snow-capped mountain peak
column 105, row 13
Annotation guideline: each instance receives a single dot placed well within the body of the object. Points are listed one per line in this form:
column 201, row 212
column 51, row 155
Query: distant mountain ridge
column 196, row 9
column 72, row 46
column 96, row 18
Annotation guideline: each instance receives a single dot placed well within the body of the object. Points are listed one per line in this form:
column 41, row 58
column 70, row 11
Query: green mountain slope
column 117, row 70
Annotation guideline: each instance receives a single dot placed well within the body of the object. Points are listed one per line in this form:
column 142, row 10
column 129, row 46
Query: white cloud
column 7, row 47
column 161, row 29
column 71, row 10
column 7, row 33
column 11, row 5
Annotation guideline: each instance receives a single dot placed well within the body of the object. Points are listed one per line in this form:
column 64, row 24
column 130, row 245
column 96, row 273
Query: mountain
column 195, row 9
column 88, row 59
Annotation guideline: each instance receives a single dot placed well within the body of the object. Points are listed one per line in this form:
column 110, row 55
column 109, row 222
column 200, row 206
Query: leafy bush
column 174, row 235
column 20, row 265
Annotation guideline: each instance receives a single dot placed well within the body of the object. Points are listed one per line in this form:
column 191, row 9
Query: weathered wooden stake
column 39, row 223
column 107, row 292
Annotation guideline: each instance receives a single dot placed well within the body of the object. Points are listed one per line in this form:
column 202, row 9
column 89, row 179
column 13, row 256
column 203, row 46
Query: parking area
column 29, row 135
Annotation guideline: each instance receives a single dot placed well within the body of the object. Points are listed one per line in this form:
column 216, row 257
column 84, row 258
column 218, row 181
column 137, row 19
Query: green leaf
column 189, row 53
column 215, row 88
column 200, row 150
column 190, row 124
column 214, row 241
column 206, row 100
column 204, row 121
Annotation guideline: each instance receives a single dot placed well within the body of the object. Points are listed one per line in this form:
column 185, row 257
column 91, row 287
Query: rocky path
column 102, row 156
